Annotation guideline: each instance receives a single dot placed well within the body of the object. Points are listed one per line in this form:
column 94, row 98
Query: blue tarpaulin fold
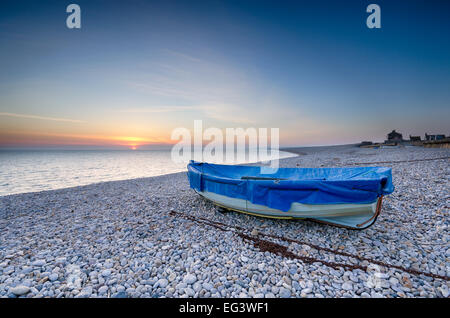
column 288, row 185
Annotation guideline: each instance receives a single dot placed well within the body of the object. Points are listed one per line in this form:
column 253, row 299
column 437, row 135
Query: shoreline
column 119, row 239
column 51, row 187
column 90, row 184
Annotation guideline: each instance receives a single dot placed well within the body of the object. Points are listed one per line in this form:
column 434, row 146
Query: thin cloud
column 183, row 55
column 162, row 109
column 27, row 116
column 222, row 112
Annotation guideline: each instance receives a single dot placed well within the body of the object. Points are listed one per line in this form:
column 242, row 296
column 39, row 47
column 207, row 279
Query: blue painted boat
column 347, row 197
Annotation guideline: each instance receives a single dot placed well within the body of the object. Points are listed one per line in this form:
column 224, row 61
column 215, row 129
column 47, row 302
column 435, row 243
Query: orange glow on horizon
column 31, row 138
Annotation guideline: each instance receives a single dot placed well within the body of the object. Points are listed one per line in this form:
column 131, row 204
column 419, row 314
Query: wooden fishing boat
column 347, row 197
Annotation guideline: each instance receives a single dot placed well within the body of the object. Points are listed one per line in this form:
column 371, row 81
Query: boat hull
column 347, row 197
column 353, row 216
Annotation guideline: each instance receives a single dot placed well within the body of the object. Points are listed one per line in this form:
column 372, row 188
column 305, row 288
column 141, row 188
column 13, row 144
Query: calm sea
column 30, row 171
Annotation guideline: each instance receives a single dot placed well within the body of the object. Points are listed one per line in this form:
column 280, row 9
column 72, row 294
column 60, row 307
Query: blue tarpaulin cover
column 287, row 185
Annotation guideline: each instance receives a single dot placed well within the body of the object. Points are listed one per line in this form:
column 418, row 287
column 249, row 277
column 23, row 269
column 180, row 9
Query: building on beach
column 434, row 137
column 394, row 137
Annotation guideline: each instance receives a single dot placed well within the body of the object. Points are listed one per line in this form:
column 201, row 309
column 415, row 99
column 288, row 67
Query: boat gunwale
column 279, row 182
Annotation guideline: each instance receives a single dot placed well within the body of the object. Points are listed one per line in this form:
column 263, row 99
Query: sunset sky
column 138, row 69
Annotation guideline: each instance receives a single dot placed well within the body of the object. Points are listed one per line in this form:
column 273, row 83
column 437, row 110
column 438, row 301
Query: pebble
column 347, row 286
column 162, row 283
column 19, row 290
column 197, row 286
column 445, row 291
column 39, row 262
column 121, row 294
column 284, row 292
column 102, row 290
column 86, row 292
column 172, row 277
column 189, row 279
column 189, row 291
column 106, row 272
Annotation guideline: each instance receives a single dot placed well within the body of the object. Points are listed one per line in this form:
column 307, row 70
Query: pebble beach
column 155, row 237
